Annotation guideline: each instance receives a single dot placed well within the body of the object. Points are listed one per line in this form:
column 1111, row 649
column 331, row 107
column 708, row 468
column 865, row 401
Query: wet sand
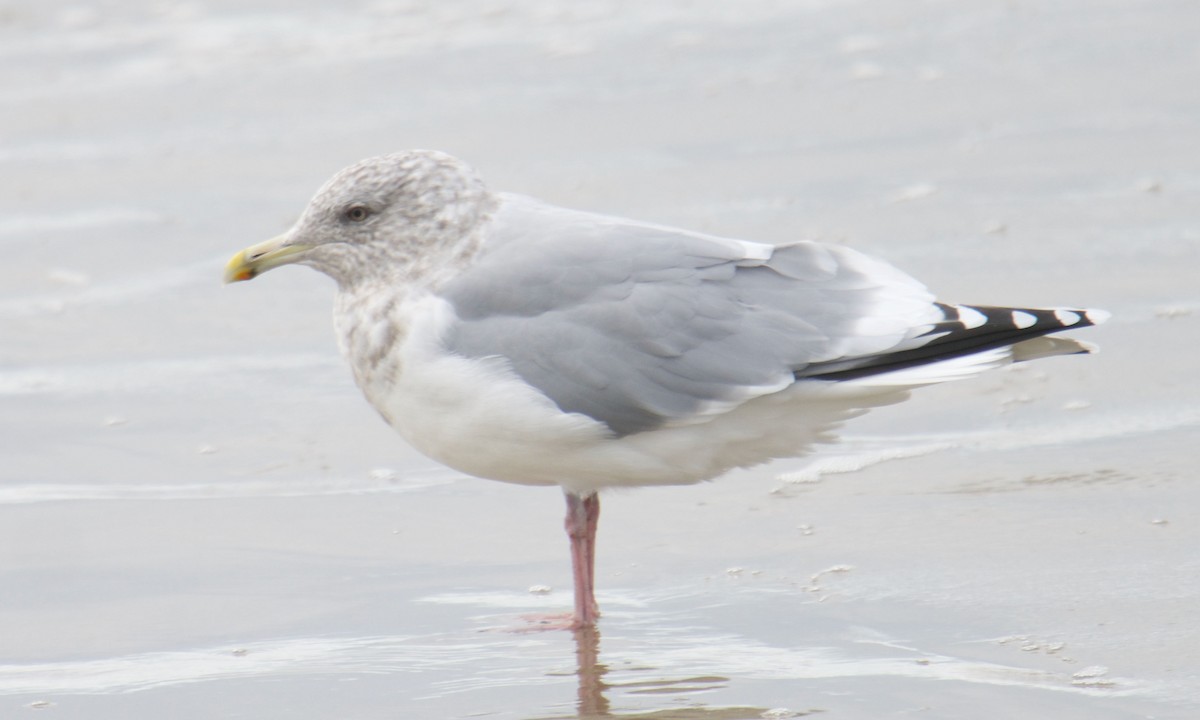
column 200, row 517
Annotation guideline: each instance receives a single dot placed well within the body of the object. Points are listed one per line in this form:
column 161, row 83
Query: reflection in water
column 593, row 702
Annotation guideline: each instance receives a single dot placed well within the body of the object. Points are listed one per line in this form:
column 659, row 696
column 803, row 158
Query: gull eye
column 357, row 213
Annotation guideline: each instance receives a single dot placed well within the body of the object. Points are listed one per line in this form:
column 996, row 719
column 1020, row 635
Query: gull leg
column 583, row 515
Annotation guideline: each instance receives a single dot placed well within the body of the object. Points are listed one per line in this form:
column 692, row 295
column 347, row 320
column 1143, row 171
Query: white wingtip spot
column 1023, row 319
column 970, row 317
column 757, row 251
column 1097, row 316
column 1066, row 317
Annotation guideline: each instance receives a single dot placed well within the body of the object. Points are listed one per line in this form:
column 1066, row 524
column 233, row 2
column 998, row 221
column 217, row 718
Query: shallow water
column 200, row 517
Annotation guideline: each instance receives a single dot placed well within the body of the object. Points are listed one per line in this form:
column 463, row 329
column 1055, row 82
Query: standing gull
column 518, row 341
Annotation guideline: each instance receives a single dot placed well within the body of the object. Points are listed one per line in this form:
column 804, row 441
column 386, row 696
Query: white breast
column 474, row 415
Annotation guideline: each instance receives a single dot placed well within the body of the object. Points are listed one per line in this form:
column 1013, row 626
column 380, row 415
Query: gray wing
column 641, row 326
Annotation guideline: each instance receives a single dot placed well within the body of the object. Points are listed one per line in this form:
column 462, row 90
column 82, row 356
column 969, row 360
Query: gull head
column 399, row 216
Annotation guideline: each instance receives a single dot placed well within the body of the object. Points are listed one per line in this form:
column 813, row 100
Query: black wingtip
column 968, row 329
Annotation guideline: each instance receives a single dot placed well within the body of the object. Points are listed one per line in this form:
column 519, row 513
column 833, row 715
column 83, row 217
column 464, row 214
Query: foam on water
column 490, row 662
column 39, row 224
column 854, row 453
column 145, row 285
column 21, row 494
column 145, row 375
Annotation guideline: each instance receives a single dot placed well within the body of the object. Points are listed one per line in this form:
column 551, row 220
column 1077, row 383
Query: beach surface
column 200, row 517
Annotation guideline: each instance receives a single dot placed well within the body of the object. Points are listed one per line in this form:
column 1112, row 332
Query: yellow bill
column 257, row 259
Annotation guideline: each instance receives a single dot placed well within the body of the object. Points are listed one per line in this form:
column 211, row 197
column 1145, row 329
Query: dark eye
column 357, row 213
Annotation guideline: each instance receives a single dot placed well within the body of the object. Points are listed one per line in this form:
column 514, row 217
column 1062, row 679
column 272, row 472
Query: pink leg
column 583, row 514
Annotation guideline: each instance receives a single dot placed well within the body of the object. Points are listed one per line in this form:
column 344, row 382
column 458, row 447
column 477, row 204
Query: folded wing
column 640, row 326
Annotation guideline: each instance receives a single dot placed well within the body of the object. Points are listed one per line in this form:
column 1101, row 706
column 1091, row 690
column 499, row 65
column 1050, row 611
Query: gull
column 518, row 341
